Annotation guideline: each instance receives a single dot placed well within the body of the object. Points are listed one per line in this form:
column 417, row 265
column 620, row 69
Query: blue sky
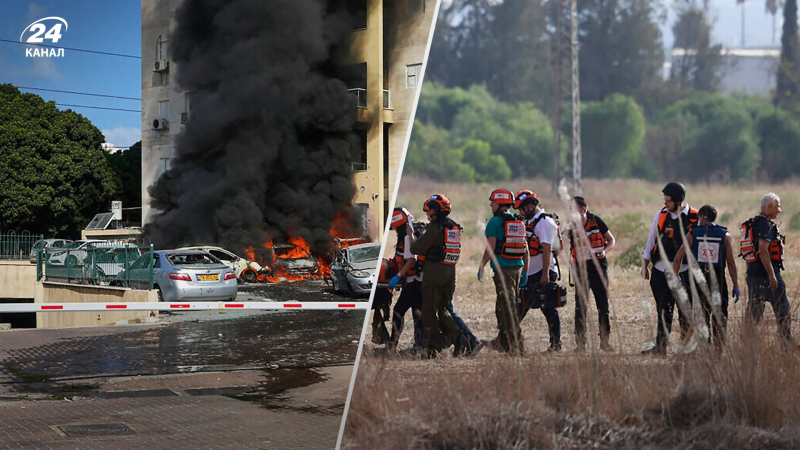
column 109, row 26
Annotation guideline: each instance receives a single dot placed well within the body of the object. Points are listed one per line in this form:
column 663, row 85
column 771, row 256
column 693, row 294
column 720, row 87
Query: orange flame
column 340, row 229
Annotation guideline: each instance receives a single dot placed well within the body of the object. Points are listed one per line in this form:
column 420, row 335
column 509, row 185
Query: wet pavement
column 284, row 362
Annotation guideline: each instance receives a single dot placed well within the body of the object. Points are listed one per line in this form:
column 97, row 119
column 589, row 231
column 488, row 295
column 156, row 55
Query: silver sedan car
column 181, row 275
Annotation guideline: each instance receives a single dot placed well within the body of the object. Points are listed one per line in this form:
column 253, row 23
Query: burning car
column 353, row 268
column 246, row 270
column 295, row 260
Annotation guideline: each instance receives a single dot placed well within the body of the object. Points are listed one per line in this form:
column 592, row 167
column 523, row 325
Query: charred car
column 353, row 268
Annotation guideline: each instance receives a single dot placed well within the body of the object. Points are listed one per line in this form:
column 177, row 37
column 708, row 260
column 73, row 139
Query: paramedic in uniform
column 544, row 242
column 508, row 252
column 592, row 276
column 441, row 247
column 764, row 281
column 712, row 247
column 669, row 226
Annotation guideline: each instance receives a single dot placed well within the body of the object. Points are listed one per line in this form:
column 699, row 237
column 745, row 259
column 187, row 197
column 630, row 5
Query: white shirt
column 408, row 255
column 547, row 232
column 651, row 239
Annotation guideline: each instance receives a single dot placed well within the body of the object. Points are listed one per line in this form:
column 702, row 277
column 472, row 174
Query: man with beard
column 670, row 224
column 544, row 242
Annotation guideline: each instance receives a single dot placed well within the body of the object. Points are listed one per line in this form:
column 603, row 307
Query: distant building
column 751, row 71
column 386, row 54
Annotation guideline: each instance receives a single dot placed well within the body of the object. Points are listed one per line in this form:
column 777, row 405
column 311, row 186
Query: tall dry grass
column 747, row 397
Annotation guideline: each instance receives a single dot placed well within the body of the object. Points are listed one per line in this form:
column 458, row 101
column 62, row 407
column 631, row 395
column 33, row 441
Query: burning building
column 349, row 121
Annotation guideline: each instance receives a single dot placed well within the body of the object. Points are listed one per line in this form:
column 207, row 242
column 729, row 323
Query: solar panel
column 100, row 221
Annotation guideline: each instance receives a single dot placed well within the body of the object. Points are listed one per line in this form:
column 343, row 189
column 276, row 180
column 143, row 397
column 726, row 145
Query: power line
column 73, row 49
column 100, row 107
column 76, row 93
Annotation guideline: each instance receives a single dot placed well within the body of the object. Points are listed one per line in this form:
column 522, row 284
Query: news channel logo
column 44, row 33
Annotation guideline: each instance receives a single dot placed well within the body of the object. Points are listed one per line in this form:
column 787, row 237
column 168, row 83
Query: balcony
column 361, row 96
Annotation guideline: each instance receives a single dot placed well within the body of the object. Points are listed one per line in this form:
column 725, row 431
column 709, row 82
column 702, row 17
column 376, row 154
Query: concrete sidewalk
column 229, row 408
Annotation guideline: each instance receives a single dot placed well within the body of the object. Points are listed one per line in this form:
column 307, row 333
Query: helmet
column 676, row 191
column 437, row 202
column 524, row 197
column 400, row 217
column 502, row 197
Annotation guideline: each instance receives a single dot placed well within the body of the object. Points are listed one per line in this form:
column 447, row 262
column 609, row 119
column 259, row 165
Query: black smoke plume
column 266, row 151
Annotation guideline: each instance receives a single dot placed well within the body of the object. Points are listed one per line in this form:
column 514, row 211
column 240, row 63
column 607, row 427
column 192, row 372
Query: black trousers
column 718, row 324
column 758, row 294
column 595, row 277
column 410, row 298
column 550, row 312
column 665, row 307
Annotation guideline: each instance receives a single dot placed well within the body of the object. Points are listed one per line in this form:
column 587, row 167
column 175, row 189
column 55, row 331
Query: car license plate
column 209, row 277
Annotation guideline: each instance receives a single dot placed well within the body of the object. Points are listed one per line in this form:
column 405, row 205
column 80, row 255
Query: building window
column 163, row 165
column 186, row 108
column 359, row 159
column 415, row 6
column 163, row 109
column 162, row 48
column 413, row 73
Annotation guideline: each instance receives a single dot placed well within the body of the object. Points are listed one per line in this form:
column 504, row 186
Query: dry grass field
column 748, row 397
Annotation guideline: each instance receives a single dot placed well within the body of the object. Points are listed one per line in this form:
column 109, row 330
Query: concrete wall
column 408, row 42
column 158, row 146
column 17, row 279
column 49, row 292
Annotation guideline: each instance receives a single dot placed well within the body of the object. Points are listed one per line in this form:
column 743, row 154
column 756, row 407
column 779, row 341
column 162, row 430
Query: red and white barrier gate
column 175, row 306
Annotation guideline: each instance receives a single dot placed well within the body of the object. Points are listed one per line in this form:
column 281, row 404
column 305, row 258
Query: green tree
column 431, row 155
column 612, row 133
column 787, row 93
column 778, row 134
column 715, row 139
column 53, row 175
column 620, row 47
column 127, row 167
column 488, row 167
column 698, row 67
column 520, row 133
column 503, row 45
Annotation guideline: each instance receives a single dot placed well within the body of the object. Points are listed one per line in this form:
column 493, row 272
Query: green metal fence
column 19, row 246
column 106, row 263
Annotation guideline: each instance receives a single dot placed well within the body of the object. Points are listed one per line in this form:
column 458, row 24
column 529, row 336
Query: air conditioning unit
column 160, row 124
column 184, row 117
column 161, row 65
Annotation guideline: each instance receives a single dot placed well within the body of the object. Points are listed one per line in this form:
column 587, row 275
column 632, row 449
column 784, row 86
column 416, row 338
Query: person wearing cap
column 591, row 267
column 544, row 242
column 440, row 246
column 669, row 225
column 712, row 248
column 409, row 277
column 507, row 252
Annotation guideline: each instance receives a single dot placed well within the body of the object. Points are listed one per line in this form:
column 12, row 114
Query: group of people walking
column 684, row 246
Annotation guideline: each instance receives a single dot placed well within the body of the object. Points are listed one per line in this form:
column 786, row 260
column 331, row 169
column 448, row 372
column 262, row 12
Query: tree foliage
column 612, row 134
column 698, row 68
column 53, row 175
column 714, row 139
column 620, row 47
column 127, row 168
column 787, row 94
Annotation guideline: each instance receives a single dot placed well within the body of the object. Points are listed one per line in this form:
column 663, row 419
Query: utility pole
column 576, row 104
column 561, row 66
